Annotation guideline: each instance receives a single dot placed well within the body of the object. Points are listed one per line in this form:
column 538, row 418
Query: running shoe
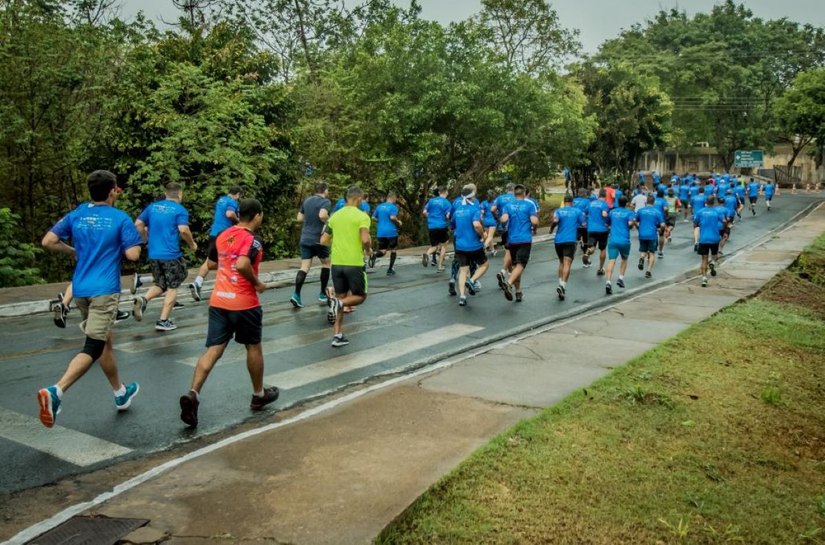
column 462, row 301
column 561, row 293
column 61, row 312
column 519, row 297
column 165, row 325
column 125, row 401
column 620, row 282
column 178, row 304
column 371, row 261
column 425, row 259
column 648, row 274
column 451, row 289
column 189, row 409
column 661, row 254
column 259, row 402
column 471, row 288
column 136, row 283
column 296, row 301
column 712, row 267
column 339, row 341
column 508, row 291
column 49, row 405
column 433, row 261
column 608, row 289
column 139, row 308
column 441, row 269
column 334, row 306
column 586, row 260
column 121, row 316
column 390, row 272
column 600, row 272
column 704, row 281
column 477, row 285
column 322, row 298
column 195, row 292
column 641, row 263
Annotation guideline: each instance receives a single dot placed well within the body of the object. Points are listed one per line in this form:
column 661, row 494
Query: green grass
column 716, row 436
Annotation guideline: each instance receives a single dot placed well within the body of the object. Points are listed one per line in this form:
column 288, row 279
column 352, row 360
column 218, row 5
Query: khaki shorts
column 98, row 315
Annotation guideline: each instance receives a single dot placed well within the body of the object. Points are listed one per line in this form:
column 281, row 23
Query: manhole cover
column 89, row 531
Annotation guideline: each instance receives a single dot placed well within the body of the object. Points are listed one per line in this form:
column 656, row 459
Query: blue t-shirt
column 487, row 217
column 731, row 203
column 684, row 192
column 163, row 218
column 501, row 201
column 583, row 204
column 661, row 204
column 620, row 219
column 619, row 194
column 519, row 226
column 221, row 223
column 699, row 202
column 753, row 189
column 100, row 234
column 438, row 208
column 466, row 237
column 570, row 219
column 739, row 191
column 649, row 219
column 722, row 188
column 707, row 220
column 386, row 227
column 596, row 222
column 694, row 190
column 342, row 202
column 770, row 189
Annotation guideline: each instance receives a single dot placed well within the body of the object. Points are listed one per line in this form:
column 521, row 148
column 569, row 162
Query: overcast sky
column 597, row 20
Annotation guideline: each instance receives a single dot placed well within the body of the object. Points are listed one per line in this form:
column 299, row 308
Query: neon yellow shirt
column 345, row 226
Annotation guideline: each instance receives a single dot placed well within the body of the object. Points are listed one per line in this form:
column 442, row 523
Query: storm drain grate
column 89, row 531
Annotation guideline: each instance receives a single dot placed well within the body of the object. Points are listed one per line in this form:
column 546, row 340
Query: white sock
column 562, row 283
column 621, row 277
column 59, row 391
column 259, row 394
column 121, row 391
column 199, row 281
column 197, row 395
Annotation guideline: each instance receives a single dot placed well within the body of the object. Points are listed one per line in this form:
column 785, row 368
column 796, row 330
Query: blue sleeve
column 477, row 216
column 63, row 228
column 182, row 218
column 144, row 216
column 232, row 205
column 129, row 235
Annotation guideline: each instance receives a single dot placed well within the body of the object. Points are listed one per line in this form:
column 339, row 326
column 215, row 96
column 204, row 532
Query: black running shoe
column 462, row 301
column 508, row 291
column 712, row 267
column 641, row 263
column 339, row 341
column 648, row 274
column 139, row 308
column 178, row 304
column 334, row 307
column 502, row 282
column 451, row 289
column 561, row 293
column 471, row 288
column 608, row 289
column 61, row 312
column 434, row 261
column 189, row 409
column 600, row 272
column 586, row 260
column 390, row 272
column 121, row 316
column 195, row 291
column 620, row 282
column 259, row 402
column 371, row 261
column 519, row 297
column 425, row 258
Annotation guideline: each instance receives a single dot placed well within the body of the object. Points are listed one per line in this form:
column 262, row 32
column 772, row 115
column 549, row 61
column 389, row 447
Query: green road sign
column 748, row 159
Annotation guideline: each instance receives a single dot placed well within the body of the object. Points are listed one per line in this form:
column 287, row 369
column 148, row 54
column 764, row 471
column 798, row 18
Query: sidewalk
column 340, row 472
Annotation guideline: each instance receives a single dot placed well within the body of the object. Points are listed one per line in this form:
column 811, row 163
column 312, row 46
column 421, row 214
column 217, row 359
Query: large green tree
column 800, row 111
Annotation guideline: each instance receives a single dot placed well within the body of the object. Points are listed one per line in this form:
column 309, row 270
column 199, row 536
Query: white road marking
column 71, row 446
column 289, row 342
column 364, row 358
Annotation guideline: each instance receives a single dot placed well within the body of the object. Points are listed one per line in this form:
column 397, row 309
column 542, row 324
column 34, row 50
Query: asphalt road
column 407, row 321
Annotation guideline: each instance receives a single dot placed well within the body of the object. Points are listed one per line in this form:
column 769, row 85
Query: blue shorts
column 648, row 246
column 616, row 250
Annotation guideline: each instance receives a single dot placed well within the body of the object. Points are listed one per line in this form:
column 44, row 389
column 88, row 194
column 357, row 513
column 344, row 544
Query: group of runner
column 339, row 237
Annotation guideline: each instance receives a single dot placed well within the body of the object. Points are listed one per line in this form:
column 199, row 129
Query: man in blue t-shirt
column 707, row 222
column 166, row 222
column 621, row 220
column 769, row 190
column 386, row 214
column 650, row 221
column 226, row 215
column 488, row 221
column 498, row 209
column 725, row 220
column 101, row 235
column 753, row 188
column 437, row 211
column 684, row 198
column 597, row 230
column 469, row 243
column 581, row 202
column 567, row 220
column 521, row 217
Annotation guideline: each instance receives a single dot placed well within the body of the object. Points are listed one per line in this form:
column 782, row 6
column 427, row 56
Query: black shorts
column 308, row 251
column 349, row 279
column 387, row 243
column 169, row 275
column 581, row 234
column 505, row 239
column 439, row 236
column 244, row 325
column 465, row 259
column 705, row 249
column 597, row 239
column 753, row 199
column 566, row 249
column 649, row 246
column 520, row 253
column 670, row 221
column 212, row 252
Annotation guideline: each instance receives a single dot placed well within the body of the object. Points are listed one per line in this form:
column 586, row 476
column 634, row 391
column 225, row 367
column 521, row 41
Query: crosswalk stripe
column 71, row 446
column 282, row 344
column 308, row 374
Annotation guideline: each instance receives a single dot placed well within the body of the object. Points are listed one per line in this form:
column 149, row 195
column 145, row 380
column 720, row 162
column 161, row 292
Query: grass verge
column 716, row 436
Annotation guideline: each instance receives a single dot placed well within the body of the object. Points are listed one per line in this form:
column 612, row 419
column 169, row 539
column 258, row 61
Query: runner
column 498, row 210
column 597, row 230
column 568, row 219
column 521, row 217
column 469, row 244
column 610, row 195
column 467, row 198
column 234, row 311
column 707, row 222
column 583, row 203
column 488, row 221
column 387, row 232
column 769, row 190
column 226, row 215
column 314, row 214
column 650, row 221
column 753, row 194
column 621, row 220
column 739, row 191
column 724, row 218
column 639, row 201
column 661, row 204
column 684, row 198
column 731, row 204
column 348, row 232
column 673, row 207
column 101, row 235
column 167, row 222
column 437, row 212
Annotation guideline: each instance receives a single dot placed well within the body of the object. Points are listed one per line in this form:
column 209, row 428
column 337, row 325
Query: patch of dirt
column 787, row 287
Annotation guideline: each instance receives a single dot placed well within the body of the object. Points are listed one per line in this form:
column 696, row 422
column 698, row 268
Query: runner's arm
column 186, row 235
column 232, row 216
column 244, row 268
column 133, row 253
column 326, row 236
column 52, row 242
column 142, row 231
column 366, row 240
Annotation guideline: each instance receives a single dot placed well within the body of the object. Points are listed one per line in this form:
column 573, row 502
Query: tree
column 800, row 111
column 17, row 259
